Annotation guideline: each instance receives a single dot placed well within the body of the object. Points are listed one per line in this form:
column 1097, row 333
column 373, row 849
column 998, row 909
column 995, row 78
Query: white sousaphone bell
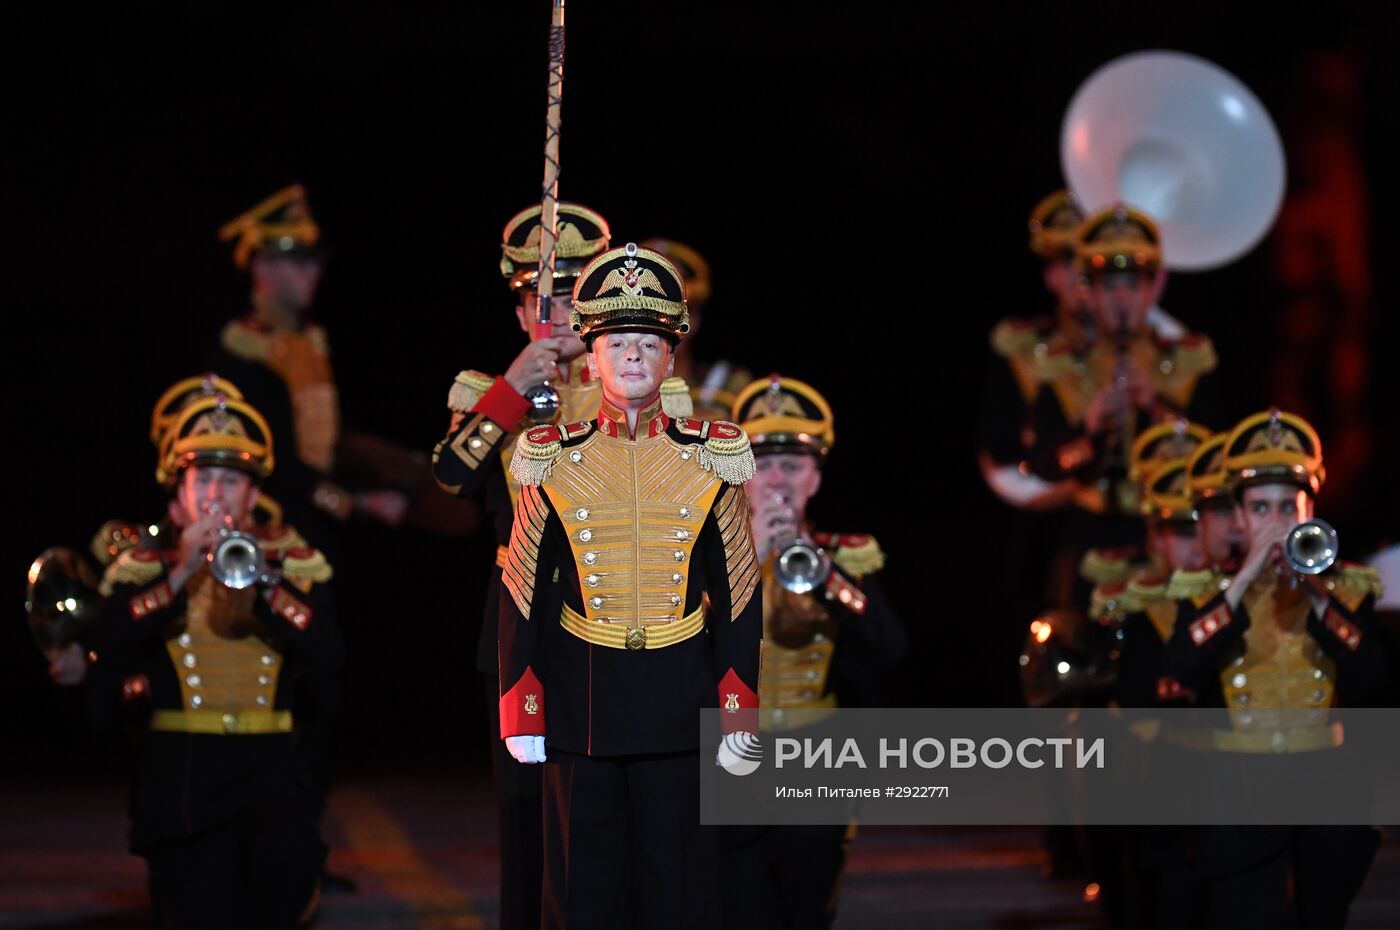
column 1183, row 140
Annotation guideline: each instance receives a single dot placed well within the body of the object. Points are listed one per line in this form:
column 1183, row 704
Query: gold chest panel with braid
column 221, row 661
column 1277, row 664
column 799, row 639
column 578, row 401
column 632, row 511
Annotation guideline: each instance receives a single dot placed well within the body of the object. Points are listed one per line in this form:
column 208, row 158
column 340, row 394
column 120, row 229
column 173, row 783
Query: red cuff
column 503, row 404
column 1344, row 631
column 522, row 707
column 738, row 705
column 156, row 597
column 1210, row 624
column 292, row 609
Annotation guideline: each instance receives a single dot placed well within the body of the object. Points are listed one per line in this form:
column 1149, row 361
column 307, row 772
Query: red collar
column 651, row 421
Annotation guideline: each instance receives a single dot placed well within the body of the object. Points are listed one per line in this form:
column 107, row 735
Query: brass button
column 486, row 429
column 230, row 722
column 193, row 681
column 268, row 660
column 585, row 536
column 596, row 602
column 576, row 457
column 589, row 558
column 189, row 660
column 475, row 443
column 196, row 701
column 262, row 700
column 184, row 640
column 264, row 680
column 592, row 581
column 1239, row 680
column 682, row 535
column 680, row 556
column 685, row 455
column 685, row 512
column 677, row 578
column 582, row 513
column 636, row 639
column 675, row 600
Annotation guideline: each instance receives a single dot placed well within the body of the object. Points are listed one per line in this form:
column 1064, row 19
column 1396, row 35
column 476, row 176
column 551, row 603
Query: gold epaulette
column 1354, row 583
column 727, row 452
column 244, row 342
column 281, row 538
column 1195, row 353
column 467, row 389
column 1197, row 587
column 305, row 565
column 675, row 398
column 1053, row 365
column 1145, row 587
column 1014, row 336
column 134, row 566
column 858, row 555
column 1111, row 601
column 1102, row 566
column 535, row 454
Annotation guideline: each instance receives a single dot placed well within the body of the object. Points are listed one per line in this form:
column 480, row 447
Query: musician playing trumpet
column 1276, row 635
column 224, row 809
column 829, row 637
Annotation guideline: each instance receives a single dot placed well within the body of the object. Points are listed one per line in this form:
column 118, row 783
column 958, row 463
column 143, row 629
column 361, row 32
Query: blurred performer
column 282, row 363
column 1268, row 637
column 834, row 641
column 473, row 460
column 1007, row 432
column 223, row 809
column 606, row 655
column 713, row 386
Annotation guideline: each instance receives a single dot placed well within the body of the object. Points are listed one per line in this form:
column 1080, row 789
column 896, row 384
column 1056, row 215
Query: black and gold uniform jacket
column 221, row 667
column 1276, row 650
column 631, row 588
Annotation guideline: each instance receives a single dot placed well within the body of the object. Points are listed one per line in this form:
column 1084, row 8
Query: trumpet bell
column 237, row 561
column 801, row 566
column 1311, row 547
column 1186, row 141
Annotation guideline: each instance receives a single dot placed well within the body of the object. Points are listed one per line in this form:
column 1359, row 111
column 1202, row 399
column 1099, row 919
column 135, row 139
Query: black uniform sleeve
column 527, row 580
column 472, row 447
column 735, row 618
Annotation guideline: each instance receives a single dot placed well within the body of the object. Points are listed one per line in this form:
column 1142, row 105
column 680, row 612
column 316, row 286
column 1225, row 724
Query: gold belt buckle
column 231, row 722
column 636, row 639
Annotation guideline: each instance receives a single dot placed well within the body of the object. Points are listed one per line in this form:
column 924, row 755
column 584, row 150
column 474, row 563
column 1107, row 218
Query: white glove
column 527, row 749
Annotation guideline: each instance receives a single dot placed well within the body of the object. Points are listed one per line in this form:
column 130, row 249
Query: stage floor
column 423, row 854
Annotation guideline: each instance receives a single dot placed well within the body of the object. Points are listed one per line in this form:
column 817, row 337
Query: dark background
column 859, row 179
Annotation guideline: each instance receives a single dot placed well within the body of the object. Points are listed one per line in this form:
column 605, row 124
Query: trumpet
column 237, row 560
column 801, row 566
column 1311, row 547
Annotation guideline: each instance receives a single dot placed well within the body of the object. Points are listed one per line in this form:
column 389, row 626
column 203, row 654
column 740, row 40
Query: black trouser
column 1308, row 881
column 518, row 804
column 781, row 878
column 624, row 849
column 257, row 871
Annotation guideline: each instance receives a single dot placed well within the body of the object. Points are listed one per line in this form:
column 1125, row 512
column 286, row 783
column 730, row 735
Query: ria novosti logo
column 739, row 753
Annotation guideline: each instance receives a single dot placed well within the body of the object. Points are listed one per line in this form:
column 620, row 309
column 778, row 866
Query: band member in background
column 834, row 644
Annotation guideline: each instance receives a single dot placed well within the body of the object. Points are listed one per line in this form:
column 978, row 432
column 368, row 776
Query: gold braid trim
column 865, row 559
column 245, row 343
column 287, row 538
column 128, row 569
column 1188, row 585
column 522, row 558
column 533, row 462
column 1355, row 583
column 1198, row 358
column 1099, row 567
column 730, row 459
column 675, row 398
column 313, row 567
column 1051, row 366
column 467, row 389
column 1013, row 337
column 740, row 556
